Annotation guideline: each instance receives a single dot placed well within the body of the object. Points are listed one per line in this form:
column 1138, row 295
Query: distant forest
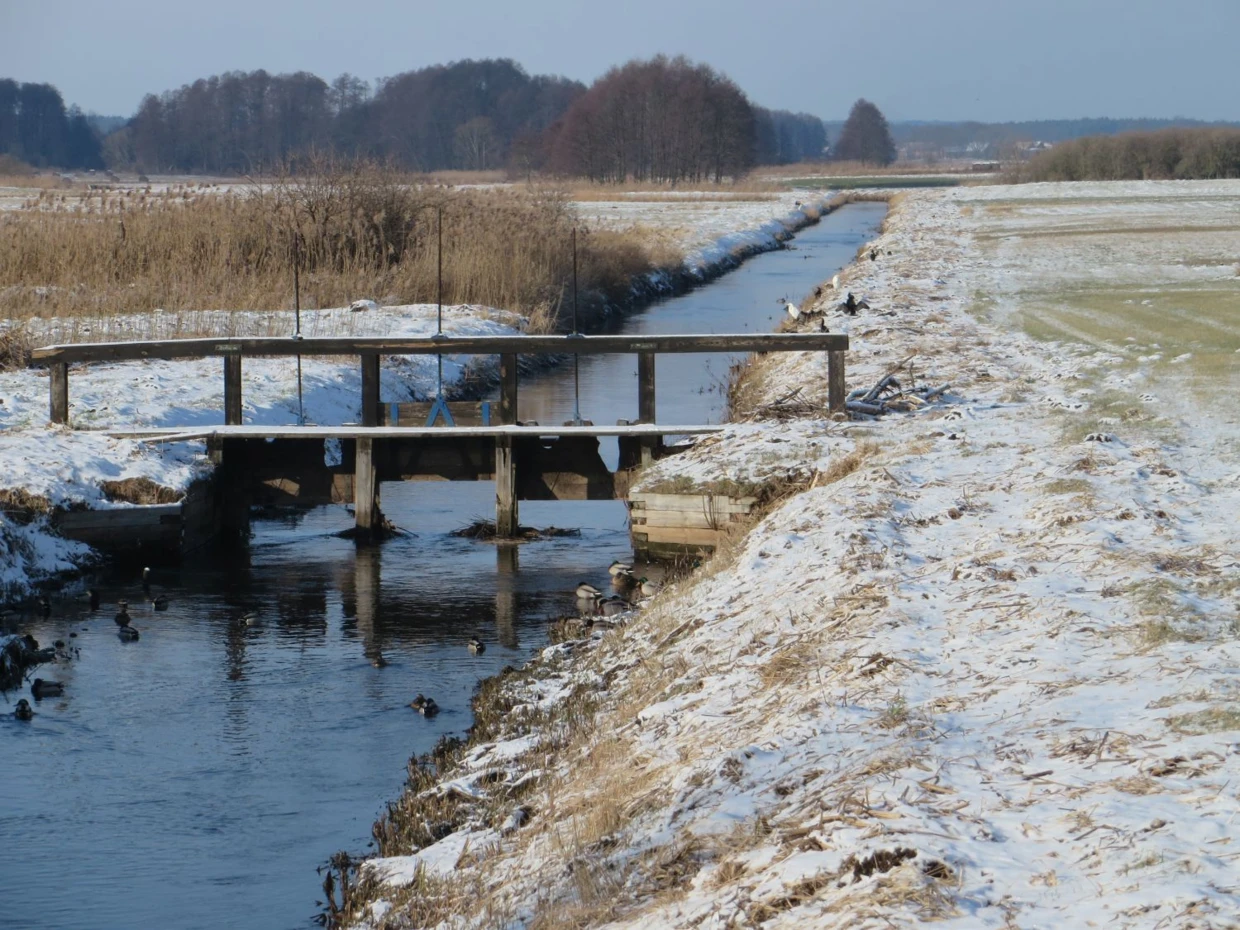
column 663, row 119
column 472, row 115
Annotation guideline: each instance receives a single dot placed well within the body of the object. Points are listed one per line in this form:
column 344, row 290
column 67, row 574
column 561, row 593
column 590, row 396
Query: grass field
column 855, row 182
column 1146, row 274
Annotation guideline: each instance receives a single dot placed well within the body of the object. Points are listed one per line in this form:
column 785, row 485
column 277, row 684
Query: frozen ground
column 980, row 666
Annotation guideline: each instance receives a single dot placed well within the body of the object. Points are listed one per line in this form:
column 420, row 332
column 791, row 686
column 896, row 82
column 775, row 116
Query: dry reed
column 356, row 230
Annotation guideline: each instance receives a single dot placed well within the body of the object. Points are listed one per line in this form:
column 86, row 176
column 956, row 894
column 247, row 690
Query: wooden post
column 645, row 401
column 370, row 389
column 506, row 509
column 835, row 381
column 60, row 392
column 365, row 490
column 232, row 489
column 232, row 390
column 508, row 389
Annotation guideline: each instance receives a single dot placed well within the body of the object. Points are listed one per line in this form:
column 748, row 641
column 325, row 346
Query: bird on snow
column 793, row 310
column 358, row 306
column 835, row 282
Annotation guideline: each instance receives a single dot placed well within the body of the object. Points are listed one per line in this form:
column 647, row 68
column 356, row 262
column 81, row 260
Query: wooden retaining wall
column 666, row 526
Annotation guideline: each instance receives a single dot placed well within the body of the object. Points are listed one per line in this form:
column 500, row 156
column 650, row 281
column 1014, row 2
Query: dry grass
column 744, row 189
column 359, row 231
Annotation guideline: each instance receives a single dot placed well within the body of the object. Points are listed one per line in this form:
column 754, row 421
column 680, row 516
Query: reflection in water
column 196, row 778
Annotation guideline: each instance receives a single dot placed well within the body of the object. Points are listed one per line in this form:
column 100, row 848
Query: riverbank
column 46, row 469
column 974, row 664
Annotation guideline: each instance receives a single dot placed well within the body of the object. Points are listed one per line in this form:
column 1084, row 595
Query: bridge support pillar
column 835, row 381
column 646, row 402
column 506, row 509
column 367, row 517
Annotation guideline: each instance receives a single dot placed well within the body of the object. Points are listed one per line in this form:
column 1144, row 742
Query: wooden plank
column 414, row 413
column 370, row 390
column 683, row 536
column 506, row 506
column 835, row 381
column 507, row 389
column 458, row 345
column 700, row 503
column 683, row 518
column 59, row 389
column 120, row 518
column 232, row 390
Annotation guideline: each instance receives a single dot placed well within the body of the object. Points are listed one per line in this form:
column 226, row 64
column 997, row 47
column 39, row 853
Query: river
column 196, row 778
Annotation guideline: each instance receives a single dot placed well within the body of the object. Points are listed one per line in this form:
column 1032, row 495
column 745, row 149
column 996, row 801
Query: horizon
column 959, row 65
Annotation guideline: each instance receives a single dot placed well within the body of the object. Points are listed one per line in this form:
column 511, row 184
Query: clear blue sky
column 917, row 59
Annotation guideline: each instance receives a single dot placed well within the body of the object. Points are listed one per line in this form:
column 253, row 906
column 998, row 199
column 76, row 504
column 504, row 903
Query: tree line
column 1212, row 153
column 37, row 129
column 665, row 119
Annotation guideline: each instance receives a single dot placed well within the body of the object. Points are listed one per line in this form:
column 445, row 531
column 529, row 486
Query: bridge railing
column 370, row 349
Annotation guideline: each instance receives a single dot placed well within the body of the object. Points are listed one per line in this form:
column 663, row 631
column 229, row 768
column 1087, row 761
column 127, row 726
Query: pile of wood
column 889, row 396
column 791, row 406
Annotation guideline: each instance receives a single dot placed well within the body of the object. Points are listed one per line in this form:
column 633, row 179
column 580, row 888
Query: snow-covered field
column 982, row 668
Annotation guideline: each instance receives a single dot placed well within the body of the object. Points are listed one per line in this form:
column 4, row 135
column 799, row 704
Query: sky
column 993, row 61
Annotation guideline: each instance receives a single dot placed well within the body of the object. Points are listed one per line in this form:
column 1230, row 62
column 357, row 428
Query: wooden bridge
column 402, row 441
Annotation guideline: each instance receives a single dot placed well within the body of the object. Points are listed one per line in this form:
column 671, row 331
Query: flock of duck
column 590, row 601
column 42, row 688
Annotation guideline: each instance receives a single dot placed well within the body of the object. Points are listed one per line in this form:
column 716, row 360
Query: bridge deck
column 350, row 431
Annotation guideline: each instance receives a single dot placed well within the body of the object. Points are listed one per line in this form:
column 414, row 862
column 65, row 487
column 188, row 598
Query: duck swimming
column 424, row 706
column 42, row 688
column 159, row 602
column 122, row 617
column 477, row 646
column 587, row 592
column 127, row 634
column 23, row 711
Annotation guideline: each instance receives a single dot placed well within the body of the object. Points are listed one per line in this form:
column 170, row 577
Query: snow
column 990, row 641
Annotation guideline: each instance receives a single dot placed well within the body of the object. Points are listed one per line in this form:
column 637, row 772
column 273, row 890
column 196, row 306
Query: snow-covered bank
column 979, row 667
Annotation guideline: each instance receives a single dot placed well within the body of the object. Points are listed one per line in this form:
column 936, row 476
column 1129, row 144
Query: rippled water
column 196, row 778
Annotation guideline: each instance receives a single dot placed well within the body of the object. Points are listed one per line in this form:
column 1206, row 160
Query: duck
column 146, row 577
column 128, row 634
column 42, row 688
column 624, row 581
column 610, row 606
column 45, row 605
column 23, row 711
column 424, row 706
column 587, row 592
column 122, row 617
column 92, row 597
column 649, row 588
column 248, row 618
column 620, row 568
column 159, row 602
column 477, row 646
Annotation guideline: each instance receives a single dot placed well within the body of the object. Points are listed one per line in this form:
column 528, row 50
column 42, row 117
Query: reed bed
column 353, row 231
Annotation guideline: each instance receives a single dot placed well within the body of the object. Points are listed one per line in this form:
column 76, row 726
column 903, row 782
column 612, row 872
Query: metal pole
column 576, row 357
column 301, row 407
column 439, row 287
